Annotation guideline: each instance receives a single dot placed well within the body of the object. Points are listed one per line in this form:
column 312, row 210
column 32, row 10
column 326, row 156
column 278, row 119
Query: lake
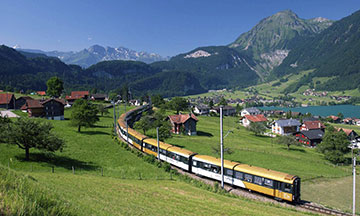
column 347, row 110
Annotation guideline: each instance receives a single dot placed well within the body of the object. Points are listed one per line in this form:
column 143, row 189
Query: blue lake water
column 347, row 110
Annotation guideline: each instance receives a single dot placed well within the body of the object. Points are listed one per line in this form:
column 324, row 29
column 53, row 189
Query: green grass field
column 118, row 192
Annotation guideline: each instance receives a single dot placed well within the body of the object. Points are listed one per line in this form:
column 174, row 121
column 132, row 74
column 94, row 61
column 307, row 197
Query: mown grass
column 110, row 196
column 120, row 191
column 22, row 195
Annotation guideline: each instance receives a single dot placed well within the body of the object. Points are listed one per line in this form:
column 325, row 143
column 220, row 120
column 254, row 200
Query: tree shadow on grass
column 294, row 149
column 202, row 133
column 58, row 161
column 94, row 133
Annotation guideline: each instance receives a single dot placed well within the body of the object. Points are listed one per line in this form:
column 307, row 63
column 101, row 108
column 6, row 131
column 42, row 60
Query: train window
column 258, row 180
column 239, row 175
column 228, row 172
column 195, row 163
column 248, row 178
column 269, row 182
column 215, row 169
column 287, row 187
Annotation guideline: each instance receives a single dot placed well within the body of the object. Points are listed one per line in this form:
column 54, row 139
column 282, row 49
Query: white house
column 201, row 109
column 285, row 126
column 250, row 111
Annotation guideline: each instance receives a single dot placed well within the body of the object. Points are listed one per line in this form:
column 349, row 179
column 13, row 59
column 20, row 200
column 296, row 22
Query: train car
column 135, row 138
column 277, row 184
column 176, row 156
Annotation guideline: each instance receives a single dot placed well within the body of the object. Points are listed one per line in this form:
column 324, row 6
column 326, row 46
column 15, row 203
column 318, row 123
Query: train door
column 296, row 190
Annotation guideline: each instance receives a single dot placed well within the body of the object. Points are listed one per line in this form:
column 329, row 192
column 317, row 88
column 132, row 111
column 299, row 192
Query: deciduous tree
column 179, row 104
column 29, row 133
column 83, row 114
column 288, row 141
column 257, row 128
column 54, row 87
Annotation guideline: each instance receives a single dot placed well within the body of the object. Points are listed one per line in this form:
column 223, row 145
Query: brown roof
column 55, row 99
column 311, row 125
column 31, row 104
column 256, row 118
column 334, row 117
column 182, row 118
column 347, row 131
column 77, row 94
column 5, row 98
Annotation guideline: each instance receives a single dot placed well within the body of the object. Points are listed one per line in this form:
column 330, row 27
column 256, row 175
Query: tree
column 178, row 104
column 164, row 131
column 157, row 100
column 334, row 145
column 125, row 92
column 257, row 127
column 4, row 121
column 211, row 104
column 83, row 114
column 143, row 124
column 223, row 102
column 29, row 133
column 288, row 141
column 238, row 108
column 340, row 115
column 102, row 109
column 54, row 87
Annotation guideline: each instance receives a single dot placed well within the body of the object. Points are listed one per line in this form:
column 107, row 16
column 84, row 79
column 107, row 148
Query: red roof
column 31, row 104
column 5, row 98
column 182, row 118
column 42, row 93
column 334, row 117
column 79, row 94
column 256, row 118
column 312, row 125
column 347, row 131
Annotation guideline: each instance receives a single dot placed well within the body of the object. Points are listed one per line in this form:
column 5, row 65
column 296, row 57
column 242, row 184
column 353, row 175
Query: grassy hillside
column 120, row 191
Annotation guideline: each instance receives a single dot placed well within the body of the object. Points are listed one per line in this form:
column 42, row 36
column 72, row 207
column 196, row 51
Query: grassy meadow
column 130, row 186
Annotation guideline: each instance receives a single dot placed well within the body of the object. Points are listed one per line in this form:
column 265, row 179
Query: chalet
column 357, row 122
column 183, row 122
column 99, row 97
column 54, row 109
column 227, row 110
column 50, row 109
column 310, row 137
column 312, row 125
column 75, row 95
column 351, row 134
column 334, row 119
column 21, row 101
column 247, row 119
column 7, row 101
column 250, row 111
column 201, row 109
column 135, row 102
column 348, row 121
column 285, row 126
column 34, row 108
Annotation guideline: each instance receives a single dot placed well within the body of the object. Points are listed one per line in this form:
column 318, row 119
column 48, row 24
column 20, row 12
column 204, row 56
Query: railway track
column 320, row 209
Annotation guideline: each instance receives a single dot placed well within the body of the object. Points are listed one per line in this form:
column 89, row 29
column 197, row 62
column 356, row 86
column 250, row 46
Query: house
column 310, row 137
column 227, row 110
column 247, row 119
column 41, row 93
column 285, row 126
column 183, row 122
column 7, row 101
column 54, row 109
column 312, row 125
column 250, row 111
column 99, row 97
column 357, row 122
column 351, row 134
column 201, row 109
column 21, row 101
column 34, row 108
column 135, row 102
column 50, row 109
column 334, row 119
column 75, row 95
column 348, row 121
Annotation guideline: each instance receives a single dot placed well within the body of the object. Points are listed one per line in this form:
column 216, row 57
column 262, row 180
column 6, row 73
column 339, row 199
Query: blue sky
column 167, row 27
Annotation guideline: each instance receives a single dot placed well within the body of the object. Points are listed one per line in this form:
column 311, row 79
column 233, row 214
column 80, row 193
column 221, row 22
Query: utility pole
column 354, row 179
column 158, row 145
column 114, row 117
column 222, row 147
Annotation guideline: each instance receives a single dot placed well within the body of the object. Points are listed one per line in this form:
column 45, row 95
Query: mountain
column 214, row 66
column 335, row 53
column 96, row 53
column 270, row 41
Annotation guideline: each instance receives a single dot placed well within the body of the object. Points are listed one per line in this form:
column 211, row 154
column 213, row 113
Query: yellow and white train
column 272, row 183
